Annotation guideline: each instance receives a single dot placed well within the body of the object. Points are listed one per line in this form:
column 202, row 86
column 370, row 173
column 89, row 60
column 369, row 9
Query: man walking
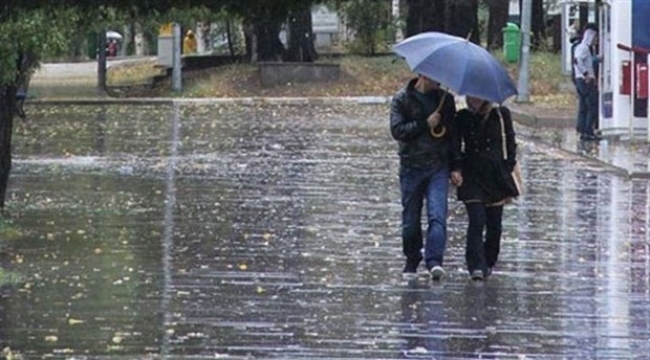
column 421, row 119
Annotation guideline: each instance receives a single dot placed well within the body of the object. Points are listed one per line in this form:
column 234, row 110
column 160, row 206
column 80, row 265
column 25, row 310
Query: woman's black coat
column 485, row 171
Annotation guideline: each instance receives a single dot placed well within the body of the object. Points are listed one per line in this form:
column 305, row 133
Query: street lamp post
column 524, row 62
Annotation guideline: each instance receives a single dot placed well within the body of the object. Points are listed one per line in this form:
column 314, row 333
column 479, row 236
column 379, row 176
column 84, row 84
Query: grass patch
column 132, row 73
column 8, row 231
column 377, row 75
column 9, row 278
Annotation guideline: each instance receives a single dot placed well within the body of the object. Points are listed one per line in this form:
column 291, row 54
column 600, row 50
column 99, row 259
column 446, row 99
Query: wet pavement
column 557, row 129
column 268, row 231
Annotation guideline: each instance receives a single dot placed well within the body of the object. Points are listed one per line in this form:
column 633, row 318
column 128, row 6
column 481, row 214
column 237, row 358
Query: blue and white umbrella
column 112, row 34
column 458, row 64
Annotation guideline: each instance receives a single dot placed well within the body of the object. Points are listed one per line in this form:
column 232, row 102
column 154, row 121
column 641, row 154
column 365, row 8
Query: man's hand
column 433, row 120
column 456, row 178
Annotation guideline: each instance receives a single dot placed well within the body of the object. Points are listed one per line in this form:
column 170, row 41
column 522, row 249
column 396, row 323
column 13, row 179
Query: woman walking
column 486, row 144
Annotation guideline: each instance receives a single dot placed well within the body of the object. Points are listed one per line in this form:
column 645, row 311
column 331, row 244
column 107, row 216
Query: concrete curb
column 542, row 121
column 359, row 100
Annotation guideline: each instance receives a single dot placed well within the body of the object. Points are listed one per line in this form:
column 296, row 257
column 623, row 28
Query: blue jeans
column 417, row 185
column 587, row 106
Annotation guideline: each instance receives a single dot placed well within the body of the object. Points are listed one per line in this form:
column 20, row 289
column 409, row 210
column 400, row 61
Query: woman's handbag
column 519, row 180
column 516, row 171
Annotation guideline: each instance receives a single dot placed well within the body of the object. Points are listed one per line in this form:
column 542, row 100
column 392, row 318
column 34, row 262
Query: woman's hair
column 484, row 109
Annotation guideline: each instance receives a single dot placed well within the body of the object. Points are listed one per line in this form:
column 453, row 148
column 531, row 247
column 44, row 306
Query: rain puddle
column 272, row 231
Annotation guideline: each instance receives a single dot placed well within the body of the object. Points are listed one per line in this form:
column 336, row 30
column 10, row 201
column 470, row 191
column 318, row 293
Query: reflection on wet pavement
column 631, row 158
column 273, row 232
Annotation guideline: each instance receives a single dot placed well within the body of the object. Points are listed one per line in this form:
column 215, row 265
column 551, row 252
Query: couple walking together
column 475, row 150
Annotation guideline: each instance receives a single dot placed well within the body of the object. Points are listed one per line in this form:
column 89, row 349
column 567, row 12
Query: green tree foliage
column 33, row 29
column 29, row 34
column 367, row 17
column 29, row 30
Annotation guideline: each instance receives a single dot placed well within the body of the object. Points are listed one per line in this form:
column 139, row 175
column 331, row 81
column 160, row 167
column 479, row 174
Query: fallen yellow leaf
column 72, row 321
column 51, row 338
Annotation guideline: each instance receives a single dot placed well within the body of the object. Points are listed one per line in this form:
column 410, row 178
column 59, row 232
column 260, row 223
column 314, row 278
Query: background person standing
column 586, row 85
column 189, row 43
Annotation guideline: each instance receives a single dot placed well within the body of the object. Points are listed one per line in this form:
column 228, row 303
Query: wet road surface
column 272, row 232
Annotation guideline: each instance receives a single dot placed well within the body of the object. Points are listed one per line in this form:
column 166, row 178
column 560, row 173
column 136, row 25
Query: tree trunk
column 267, row 36
column 7, row 110
column 127, row 31
column 557, row 33
column 251, row 43
column 301, row 36
column 462, row 19
column 499, row 11
column 538, row 26
column 200, row 33
column 425, row 15
column 395, row 12
column 229, row 36
column 140, row 40
column 101, row 64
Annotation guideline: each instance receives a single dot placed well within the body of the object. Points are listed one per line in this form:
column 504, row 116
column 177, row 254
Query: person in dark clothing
column 485, row 140
column 421, row 119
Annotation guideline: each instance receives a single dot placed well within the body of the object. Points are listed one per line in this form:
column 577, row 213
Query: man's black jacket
column 408, row 125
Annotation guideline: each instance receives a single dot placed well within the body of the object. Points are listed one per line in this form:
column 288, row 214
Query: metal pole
column 524, row 62
column 101, row 63
column 176, row 59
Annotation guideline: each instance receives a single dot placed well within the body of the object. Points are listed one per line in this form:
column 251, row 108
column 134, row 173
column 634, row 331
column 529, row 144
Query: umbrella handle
column 441, row 133
column 443, row 129
column 442, row 101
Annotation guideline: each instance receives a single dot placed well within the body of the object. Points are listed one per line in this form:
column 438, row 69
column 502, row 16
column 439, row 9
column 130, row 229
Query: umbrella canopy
column 111, row 34
column 458, row 64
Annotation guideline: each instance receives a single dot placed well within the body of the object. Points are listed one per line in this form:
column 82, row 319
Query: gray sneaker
column 477, row 275
column 437, row 272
